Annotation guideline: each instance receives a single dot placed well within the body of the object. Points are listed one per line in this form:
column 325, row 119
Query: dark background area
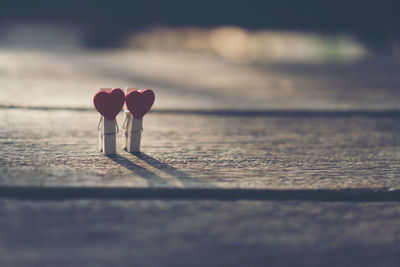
column 374, row 22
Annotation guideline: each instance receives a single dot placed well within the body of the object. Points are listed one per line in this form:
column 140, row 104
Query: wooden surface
column 191, row 233
column 196, row 151
column 195, row 81
column 216, row 125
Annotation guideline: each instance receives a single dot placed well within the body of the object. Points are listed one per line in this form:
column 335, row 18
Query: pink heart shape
column 139, row 103
column 109, row 104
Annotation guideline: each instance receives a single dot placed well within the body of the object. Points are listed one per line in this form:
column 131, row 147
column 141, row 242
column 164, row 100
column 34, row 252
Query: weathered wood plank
column 59, row 148
column 196, row 81
column 198, row 233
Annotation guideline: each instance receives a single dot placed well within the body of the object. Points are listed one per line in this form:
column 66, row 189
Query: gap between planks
column 123, row 193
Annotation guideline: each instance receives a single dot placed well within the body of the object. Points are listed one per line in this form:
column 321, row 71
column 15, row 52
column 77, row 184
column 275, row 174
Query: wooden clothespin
column 138, row 103
column 108, row 103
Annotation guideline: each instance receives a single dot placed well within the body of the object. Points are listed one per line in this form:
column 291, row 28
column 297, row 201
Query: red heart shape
column 109, row 104
column 139, row 103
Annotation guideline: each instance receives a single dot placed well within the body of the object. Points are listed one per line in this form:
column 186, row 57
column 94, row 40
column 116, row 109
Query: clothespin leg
column 133, row 134
column 107, row 138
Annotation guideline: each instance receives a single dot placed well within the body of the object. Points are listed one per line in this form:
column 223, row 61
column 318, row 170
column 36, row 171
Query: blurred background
column 181, row 45
column 250, row 30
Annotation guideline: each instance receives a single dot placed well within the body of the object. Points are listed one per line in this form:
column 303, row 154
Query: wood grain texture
column 203, row 151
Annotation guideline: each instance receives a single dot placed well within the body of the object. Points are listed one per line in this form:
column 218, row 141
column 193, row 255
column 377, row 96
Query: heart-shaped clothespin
column 139, row 102
column 109, row 104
